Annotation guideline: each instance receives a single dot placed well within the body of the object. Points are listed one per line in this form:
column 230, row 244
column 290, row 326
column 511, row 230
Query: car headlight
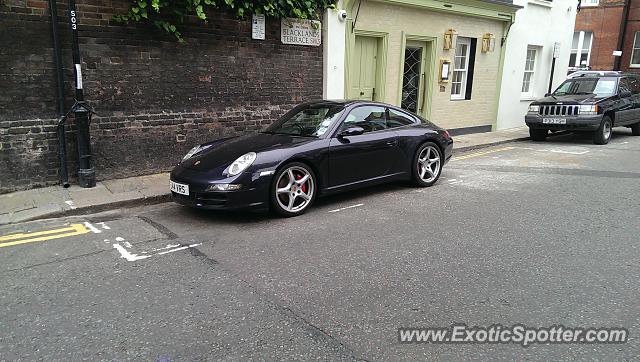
column 589, row 109
column 534, row 108
column 240, row 164
column 194, row 151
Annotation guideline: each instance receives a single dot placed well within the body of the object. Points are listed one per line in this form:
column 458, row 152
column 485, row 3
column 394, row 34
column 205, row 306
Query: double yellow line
column 24, row 238
column 478, row 154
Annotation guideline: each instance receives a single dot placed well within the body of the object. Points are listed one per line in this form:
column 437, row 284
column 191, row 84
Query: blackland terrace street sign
column 301, row 32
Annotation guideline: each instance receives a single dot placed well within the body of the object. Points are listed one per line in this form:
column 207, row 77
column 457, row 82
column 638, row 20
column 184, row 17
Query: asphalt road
column 533, row 233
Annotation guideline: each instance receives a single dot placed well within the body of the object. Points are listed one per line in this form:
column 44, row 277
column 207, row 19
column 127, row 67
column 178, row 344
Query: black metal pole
column 553, row 69
column 86, row 174
column 62, row 141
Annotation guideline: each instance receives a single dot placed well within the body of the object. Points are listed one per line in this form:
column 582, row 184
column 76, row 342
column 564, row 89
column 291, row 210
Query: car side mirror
column 625, row 94
column 351, row 131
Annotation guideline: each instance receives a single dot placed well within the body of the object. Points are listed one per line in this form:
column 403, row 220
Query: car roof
column 595, row 74
column 348, row 102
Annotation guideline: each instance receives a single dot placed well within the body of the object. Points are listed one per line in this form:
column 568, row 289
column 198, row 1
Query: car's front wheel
column 603, row 134
column 294, row 189
column 538, row 135
column 427, row 164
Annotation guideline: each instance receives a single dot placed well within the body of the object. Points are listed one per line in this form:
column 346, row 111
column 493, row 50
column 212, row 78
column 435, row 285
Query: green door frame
column 430, row 64
column 381, row 61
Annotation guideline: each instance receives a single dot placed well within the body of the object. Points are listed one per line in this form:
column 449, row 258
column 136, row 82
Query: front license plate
column 554, row 120
column 181, row 189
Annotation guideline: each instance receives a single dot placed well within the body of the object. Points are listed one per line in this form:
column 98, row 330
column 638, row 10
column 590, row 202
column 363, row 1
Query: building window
column 586, row 3
column 529, row 72
column 581, row 49
column 463, row 62
column 635, row 53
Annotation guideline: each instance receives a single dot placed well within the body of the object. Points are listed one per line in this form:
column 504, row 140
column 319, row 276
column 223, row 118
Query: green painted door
column 363, row 69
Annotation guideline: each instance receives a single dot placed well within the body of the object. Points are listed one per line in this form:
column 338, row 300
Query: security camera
column 342, row 14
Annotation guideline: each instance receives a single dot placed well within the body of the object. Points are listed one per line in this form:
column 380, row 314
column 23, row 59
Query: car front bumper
column 574, row 123
column 254, row 193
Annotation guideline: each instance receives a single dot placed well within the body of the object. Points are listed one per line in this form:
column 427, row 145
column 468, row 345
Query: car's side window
column 634, row 84
column 624, row 85
column 370, row 118
column 398, row 119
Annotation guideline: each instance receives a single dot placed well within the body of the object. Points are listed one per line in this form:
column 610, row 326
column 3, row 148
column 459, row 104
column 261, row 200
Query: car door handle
column 392, row 143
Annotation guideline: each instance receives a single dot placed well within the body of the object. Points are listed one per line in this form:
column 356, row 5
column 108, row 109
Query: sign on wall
column 301, row 32
column 258, row 26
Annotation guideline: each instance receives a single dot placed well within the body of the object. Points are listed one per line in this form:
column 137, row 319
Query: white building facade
column 540, row 26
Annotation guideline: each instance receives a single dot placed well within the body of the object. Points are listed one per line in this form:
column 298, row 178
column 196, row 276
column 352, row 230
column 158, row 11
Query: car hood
column 223, row 154
column 571, row 99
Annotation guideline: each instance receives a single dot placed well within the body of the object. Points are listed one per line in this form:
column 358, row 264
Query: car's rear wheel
column 538, row 135
column 603, row 134
column 427, row 165
column 635, row 129
column 293, row 190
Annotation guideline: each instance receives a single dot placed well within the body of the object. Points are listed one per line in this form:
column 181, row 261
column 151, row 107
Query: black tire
column 602, row 135
column 419, row 174
column 635, row 129
column 538, row 135
column 279, row 199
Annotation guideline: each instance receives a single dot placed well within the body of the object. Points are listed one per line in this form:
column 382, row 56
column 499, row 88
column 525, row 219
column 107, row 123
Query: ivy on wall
column 166, row 15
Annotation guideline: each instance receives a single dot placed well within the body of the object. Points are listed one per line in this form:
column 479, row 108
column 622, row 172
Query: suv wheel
column 603, row 134
column 635, row 129
column 538, row 135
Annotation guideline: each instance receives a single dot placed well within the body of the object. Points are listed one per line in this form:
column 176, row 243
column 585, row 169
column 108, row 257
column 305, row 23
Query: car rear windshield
column 600, row 87
column 307, row 120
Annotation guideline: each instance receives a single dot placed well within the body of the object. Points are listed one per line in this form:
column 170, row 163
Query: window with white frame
column 581, row 49
column 635, row 52
column 587, row 3
column 529, row 72
column 460, row 68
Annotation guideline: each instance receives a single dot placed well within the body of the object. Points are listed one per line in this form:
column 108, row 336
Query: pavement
column 540, row 234
column 57, row 201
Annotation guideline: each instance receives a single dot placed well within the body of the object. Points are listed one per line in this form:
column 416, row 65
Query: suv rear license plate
column 554, row 120
column 181, row 189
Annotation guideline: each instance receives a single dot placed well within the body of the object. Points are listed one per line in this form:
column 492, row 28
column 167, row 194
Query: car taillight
column 445, row 133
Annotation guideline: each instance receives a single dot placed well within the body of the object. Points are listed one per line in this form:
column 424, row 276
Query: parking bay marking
column 478, row 154
column 124, row 253
column 24, row 238
column 347, row 207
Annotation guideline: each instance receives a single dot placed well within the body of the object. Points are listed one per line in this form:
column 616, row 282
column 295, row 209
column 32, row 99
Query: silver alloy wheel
column 294, row 189
column 606, row 130
column 429, row 164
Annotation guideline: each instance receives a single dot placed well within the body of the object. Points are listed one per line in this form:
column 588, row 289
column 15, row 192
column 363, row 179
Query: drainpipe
column 81, row 110
column 62, row 142
column 623, row 33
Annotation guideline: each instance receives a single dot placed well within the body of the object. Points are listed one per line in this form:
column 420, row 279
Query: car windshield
column 307, row 120
column 600, row 87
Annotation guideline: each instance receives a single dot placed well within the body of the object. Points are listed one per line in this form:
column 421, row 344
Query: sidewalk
column 135, row 191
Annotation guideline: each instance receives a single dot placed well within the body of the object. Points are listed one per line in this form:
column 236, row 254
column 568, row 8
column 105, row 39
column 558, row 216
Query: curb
column 486, row 145
column 151, row 200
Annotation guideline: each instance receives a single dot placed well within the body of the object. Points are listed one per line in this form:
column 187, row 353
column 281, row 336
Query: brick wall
column 604, row 21
column 154, row 97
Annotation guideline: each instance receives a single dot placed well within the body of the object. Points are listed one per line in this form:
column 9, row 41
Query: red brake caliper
column 304, row 186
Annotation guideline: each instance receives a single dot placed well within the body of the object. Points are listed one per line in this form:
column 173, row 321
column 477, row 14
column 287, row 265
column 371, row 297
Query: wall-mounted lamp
column 488, row 43
column 450, row 37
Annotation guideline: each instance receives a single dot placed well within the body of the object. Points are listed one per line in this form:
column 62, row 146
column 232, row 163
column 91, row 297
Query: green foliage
column 165, row 14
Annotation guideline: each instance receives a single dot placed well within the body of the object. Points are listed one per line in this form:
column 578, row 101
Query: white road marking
column 127, row 255
column 566, row 152
column 169, row 246
column 180, row 248
column 104, row 226
column 93, row 229
column 127, row 244
column 70, row 203
column 119, row 238
column 345, row 208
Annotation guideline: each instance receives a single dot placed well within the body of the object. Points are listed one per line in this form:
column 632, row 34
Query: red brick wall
column 154, row 97
column 604, row 21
